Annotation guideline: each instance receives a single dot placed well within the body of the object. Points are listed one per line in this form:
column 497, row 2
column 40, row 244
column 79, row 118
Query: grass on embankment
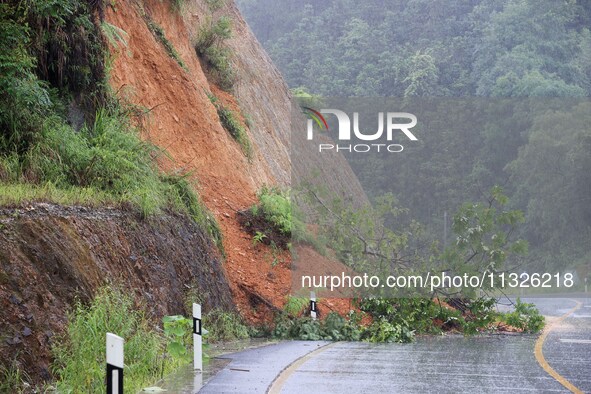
column 21, row 193
column 70, row 139
column 80, row 354
column 150, row 353
column 105, row 163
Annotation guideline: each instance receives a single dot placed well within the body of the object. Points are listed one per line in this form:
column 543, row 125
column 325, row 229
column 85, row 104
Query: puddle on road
column 188, row 381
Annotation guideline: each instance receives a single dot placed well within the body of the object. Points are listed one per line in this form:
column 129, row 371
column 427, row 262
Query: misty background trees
column 469, row 48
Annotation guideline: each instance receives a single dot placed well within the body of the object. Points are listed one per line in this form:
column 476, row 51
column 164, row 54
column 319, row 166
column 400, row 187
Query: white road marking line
column 566, row 340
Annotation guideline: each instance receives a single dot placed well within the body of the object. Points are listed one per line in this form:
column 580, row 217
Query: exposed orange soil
column 183, row 121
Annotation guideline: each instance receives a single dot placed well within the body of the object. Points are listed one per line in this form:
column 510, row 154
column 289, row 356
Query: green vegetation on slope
column 160, row 36
column 209, row 45
column 79, row 356
column 150, row 353
column 275, row 221
column 455, row 49
column 275, row 208
column 48, row 52
column 427, row 47
column 232, row 125
column 93, row 157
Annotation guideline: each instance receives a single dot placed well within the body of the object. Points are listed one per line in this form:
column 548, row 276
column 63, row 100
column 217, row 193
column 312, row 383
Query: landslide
column 52, row 255
column 183, row 120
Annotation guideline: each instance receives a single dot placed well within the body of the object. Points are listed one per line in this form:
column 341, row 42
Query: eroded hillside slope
column 183, row 120
column 51, row 256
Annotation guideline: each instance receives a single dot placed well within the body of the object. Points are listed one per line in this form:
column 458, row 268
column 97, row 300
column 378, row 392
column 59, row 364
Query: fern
column 115, row 35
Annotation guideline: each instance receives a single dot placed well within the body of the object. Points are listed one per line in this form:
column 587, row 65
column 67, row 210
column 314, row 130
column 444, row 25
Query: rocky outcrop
column 50, row 256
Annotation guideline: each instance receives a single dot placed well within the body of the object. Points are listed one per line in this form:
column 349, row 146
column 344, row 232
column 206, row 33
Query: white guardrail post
column 313, row 309
column 197, row 338
column 114, row 364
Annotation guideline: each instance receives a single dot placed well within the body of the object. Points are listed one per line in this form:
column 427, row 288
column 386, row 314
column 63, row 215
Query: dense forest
column 513, row 54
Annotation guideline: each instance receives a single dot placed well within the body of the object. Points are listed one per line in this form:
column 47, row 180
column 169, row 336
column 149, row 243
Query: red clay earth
column 184, row 122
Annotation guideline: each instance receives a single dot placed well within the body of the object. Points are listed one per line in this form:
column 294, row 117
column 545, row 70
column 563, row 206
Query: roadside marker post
column 197, row 381
column 313, row 308
column 114, row 364
column 197, row 338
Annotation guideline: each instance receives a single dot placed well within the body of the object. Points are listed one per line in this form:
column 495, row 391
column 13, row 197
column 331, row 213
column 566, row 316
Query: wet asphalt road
column 568, row 345
column 253, row 371
column 446, row 364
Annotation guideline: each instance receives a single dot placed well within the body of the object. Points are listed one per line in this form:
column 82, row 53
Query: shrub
column 417, row 315
column 399, row 319
column 295, row 305
column 270, row 221
column 49, row 53
column 274, row 222
column 275, row 207
column 24, row 99
column 213, row 33
column 224, row 326
column 384, row 330
column 337, row 328
column 395, row 320
column 217, row 58
column 480, row 315
column 333, row 328
column 178, row 331
column 232, row 125
column 219, row 61
column 80, row 355
column 106, row 157
column 525, row 317
column 160, row 36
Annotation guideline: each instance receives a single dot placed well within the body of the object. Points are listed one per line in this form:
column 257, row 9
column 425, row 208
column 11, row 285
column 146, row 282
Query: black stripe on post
column 110, row 384
column 313, row 306
column 196, row 326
